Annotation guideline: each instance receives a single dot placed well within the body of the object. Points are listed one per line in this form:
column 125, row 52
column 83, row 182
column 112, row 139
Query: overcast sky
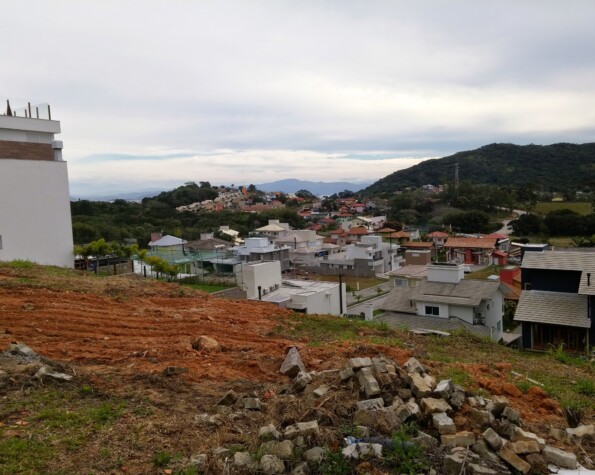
column 153, row 94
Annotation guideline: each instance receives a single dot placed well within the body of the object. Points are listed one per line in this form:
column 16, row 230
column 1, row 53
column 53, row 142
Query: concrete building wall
column 421, row 309
column 446, row 273
column 418, row 258
column 494, row 315
column 35, row 220
column 263, row 274
column 463, row 313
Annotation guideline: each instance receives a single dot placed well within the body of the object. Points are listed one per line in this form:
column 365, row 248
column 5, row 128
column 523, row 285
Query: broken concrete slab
column 293, row 363
column 414, row 366
column 271, row 465
column 229, row 399
column 368, row 382
column 370, row 404
column 301, row 381
column 444, row 389
column 514, row 460
column 304, row 429
column 269, row 432
column 363, row 449
column 521, row 447
column 283, row 449
column 520, row 434
column 251, row 403
column 559, row 457
column 493, row 439
column 443, row 424
column 460, row 439
column 358, row 363
column 418, row 385
column 321, row 390
column 429, row 405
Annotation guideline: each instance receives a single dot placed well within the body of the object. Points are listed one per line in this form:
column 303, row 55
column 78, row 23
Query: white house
column 447, row 295
column 260, row 278
column 35, row 220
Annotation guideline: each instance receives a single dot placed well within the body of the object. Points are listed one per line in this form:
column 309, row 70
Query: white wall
column 265, row 274
column 421, row 309
column 324, row 302
column 445, row 273
column 464, row 313
column 494, row 315
column 35, row 221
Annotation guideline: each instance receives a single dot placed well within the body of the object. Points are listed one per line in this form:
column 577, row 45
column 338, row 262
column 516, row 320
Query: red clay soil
column 142, row 328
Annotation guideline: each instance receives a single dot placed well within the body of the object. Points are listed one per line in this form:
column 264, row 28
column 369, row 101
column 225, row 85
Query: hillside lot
column 120, row 414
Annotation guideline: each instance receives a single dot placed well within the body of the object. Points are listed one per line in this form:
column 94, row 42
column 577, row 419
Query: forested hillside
column 559, row 167
column 122, row 219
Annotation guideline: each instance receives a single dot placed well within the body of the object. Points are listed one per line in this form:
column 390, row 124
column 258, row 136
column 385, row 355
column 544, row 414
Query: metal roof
column 558, row 260
column 554, row 308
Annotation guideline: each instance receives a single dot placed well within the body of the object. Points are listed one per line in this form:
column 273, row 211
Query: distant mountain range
column 557, row 167
column 129, row 196
column 318, row 188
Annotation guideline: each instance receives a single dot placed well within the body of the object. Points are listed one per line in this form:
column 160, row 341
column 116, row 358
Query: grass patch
column 586, row 387
column 207, row 287
column 458, row 376
column 577, row 207
column 19, row 264
column 484, row 273
column 319, row 329
column 59, row 421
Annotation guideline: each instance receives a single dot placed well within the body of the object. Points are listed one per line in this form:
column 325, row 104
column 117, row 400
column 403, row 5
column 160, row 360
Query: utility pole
column 341, row 294
column 457, row 175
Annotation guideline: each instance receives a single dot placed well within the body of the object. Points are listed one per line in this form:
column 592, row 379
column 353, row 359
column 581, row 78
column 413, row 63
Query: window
column 434, row 311
column 401, row 282
column 499, row 326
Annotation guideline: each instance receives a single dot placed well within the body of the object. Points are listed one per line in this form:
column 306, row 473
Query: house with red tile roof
column 468, row 250
column 438, row 238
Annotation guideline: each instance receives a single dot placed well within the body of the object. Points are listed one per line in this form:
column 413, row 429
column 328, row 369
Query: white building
column 35, row 220
column 447, row 295
column 260, row 278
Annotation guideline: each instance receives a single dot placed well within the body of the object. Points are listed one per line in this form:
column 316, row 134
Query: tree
column 305, row 194
column 526, row 224
column 468, row 221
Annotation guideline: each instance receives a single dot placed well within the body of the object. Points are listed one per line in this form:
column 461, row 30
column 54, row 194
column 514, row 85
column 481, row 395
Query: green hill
column 557, row 167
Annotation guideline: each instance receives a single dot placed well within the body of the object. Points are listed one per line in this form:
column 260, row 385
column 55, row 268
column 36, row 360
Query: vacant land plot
column 121, row 414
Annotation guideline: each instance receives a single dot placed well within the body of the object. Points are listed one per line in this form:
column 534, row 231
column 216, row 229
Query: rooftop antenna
column 8, row 109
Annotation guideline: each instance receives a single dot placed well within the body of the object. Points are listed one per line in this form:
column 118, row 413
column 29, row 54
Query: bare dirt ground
column 120, row 333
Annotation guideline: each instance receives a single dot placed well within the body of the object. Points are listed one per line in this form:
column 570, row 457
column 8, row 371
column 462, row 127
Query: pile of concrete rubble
column 376, row 398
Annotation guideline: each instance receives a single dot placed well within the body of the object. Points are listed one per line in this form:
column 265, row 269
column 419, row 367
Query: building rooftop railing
column 22, row 108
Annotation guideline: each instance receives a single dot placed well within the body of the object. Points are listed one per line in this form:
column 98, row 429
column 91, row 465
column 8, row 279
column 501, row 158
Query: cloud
column 304, row 84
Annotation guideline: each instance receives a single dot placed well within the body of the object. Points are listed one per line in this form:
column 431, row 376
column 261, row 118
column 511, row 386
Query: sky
column 153, row 94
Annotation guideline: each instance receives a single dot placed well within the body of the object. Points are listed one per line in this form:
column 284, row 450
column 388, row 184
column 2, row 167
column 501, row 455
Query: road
column 504, row 229
column 356, row 308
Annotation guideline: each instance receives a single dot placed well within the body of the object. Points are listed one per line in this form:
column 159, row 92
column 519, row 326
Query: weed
column 523, row 386
column 458, row 376
column 161, row 459
column 586, row 386
column 405, row 456
column 106, row 413
column 334, row 463
column 19, row 264
column 86, row 390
